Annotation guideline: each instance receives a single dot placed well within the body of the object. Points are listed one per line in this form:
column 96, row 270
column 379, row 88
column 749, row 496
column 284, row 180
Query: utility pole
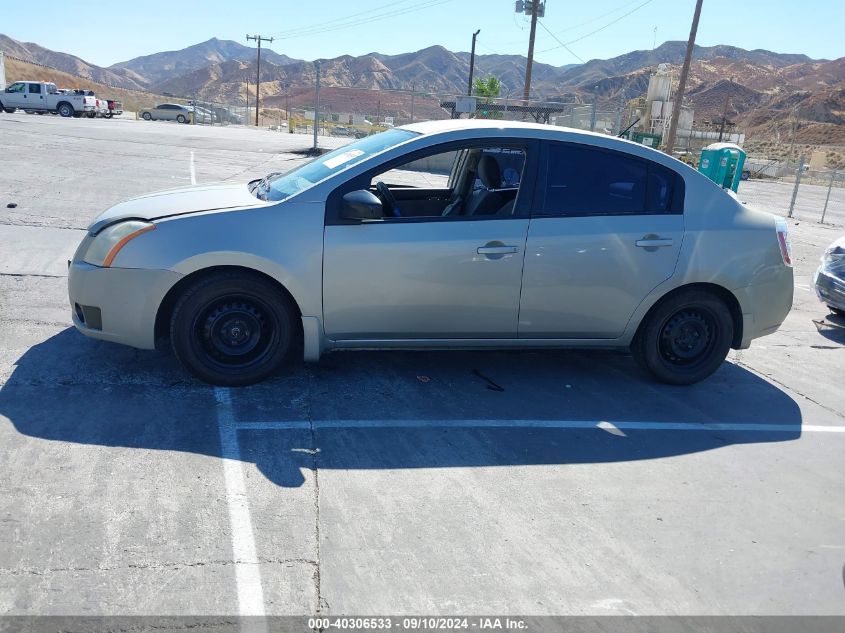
column 682, row 82
column 725, row 113
column 247, row 96
column 472, row 63
column 316, row 106
column 259, row 39
column 413, row 94
column 535, row 7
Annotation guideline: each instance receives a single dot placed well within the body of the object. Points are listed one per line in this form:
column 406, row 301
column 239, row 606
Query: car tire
column 147, row 116
column 66, row 110
column 91, row 115
column 684, row 338
column 108, row 115
column 745, row 175
column 9, row 110
column 181, row 119
column 232, row 329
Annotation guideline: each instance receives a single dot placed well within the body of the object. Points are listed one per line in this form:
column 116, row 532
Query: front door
column 432, row 268
column 607, row 229
column 15, row 95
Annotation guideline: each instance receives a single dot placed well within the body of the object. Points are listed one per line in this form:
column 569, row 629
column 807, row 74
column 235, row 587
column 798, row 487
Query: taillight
column 783, row 242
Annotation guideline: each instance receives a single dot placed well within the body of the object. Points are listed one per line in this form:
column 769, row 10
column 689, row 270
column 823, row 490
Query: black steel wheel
column 685, row 337
column 232, row 329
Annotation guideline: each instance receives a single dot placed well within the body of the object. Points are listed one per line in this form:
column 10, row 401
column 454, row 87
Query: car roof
column 545, row 131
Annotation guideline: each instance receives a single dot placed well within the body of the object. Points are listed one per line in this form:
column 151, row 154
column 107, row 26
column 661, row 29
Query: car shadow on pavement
column 390, row 410
column 832, row 327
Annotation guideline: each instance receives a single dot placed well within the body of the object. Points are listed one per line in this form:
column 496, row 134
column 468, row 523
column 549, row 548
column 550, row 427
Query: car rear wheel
column 232, row 329
column 147, row 116
column 66, row 110
column 685, row 338
column 181, row 118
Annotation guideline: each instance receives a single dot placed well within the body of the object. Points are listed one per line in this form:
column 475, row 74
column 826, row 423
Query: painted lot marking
column 605, row 425
column 247, row 569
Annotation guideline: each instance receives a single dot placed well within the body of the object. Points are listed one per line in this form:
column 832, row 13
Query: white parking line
column 539, row 424
column 193, row 170
column 247, row 570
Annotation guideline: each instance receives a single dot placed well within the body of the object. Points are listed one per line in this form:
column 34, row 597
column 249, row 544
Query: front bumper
column 829, row 288
column 118, row 304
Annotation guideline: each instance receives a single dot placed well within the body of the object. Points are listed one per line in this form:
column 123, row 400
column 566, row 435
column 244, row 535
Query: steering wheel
column 387, row 200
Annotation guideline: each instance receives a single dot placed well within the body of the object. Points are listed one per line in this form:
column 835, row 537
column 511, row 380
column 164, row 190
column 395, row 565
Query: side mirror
column 361, row 205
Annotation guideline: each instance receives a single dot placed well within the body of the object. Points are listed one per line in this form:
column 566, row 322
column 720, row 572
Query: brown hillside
column 133, row 100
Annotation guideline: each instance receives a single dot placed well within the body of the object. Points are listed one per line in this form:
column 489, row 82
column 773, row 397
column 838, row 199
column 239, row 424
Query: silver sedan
column 464, row 234
column 168, row 112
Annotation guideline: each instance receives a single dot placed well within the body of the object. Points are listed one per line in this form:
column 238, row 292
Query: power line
column 336, row 25
column 580, row 24
column 600, row 29
column 574, row 54
column 344, row 18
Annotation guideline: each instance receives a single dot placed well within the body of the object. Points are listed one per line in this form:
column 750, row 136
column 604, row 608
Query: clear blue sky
column 104, row 33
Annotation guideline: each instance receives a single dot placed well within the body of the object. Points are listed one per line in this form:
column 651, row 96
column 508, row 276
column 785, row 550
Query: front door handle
column 654, row 242
column 497, row 250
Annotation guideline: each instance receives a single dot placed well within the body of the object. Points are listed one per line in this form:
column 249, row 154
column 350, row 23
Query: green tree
column 487, row 90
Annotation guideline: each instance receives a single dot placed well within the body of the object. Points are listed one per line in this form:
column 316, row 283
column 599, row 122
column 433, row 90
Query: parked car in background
column 829, row 279
column 39, row 96
column 168, row 112
column 458, row 233
column 203, row 115
column 227, row 116
column 115, row 108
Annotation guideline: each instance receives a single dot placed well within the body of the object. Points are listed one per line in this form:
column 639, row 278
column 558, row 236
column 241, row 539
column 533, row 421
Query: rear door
column 606, row 229
column 35, row 97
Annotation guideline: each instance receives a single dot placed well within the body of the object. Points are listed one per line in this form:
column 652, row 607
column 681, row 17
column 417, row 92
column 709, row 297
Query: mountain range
column 759, row 86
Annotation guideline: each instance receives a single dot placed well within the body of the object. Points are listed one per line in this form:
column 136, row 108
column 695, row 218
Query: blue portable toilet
column 722, row 163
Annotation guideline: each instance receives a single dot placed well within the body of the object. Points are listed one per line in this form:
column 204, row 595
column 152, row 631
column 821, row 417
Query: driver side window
column 463, row 183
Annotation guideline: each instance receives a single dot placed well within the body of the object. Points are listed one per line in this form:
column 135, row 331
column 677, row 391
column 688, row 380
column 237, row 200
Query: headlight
column 107, row 243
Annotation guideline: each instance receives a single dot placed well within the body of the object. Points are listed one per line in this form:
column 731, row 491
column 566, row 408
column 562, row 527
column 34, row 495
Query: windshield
column 283, row 185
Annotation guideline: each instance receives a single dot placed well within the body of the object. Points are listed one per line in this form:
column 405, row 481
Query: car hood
column 180, row 201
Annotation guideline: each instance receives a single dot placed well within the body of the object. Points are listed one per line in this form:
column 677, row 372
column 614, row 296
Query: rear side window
column 35, row 89
column 584, row 181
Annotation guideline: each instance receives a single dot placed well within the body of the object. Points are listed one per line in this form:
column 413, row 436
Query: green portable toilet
column 722, row 163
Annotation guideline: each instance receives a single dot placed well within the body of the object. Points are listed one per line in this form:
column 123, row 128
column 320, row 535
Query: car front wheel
column 147, row 116
column 181, row 119
column 232, row 329
column 685, row 338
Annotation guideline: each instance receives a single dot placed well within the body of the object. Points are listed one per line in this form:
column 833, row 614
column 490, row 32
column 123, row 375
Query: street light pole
column 472, row 63
column 259, row 39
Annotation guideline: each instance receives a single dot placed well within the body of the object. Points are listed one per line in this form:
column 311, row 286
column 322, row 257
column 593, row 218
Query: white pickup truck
column 39, row 96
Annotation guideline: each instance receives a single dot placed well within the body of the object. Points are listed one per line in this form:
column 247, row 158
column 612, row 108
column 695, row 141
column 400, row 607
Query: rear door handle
column 497, row 250
column 654, row 243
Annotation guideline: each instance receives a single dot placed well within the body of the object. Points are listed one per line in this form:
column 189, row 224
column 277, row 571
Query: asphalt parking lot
column 390, row 482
